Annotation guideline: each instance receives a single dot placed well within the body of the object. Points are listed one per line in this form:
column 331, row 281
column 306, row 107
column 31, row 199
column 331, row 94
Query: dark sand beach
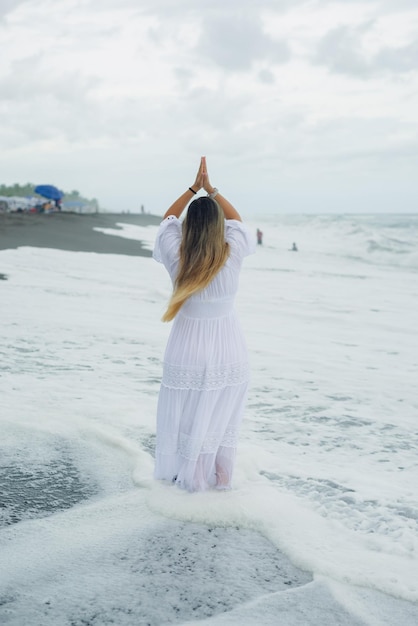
column 72, row 231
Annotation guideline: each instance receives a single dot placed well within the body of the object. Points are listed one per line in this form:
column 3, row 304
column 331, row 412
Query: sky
column 300, row 106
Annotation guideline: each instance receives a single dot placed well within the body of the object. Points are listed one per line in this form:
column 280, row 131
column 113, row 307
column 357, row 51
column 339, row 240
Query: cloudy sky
column 299, row 105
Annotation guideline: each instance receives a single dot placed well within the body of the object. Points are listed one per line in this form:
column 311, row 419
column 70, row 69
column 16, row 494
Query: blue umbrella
column 49, row 191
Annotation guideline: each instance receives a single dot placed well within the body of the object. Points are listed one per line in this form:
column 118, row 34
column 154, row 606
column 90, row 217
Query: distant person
column 259, row 237
column 142, row 208
column 205, row 373
column 294, row 247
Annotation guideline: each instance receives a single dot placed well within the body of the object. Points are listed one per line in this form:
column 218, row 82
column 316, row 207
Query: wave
column 381, row 240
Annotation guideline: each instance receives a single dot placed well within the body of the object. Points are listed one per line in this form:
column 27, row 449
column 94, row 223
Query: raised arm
column 202, row 180
column 230, row 211
column 180, row 204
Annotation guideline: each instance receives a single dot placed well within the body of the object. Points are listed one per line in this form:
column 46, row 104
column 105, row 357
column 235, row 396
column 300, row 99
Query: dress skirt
column 205, row 377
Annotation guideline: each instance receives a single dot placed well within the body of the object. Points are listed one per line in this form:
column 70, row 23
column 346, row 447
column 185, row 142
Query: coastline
column 72, row 231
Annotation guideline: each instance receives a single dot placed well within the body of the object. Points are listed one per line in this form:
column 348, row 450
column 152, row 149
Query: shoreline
column 72, row 232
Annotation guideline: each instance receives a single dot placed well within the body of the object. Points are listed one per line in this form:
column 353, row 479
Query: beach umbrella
column 49, row 191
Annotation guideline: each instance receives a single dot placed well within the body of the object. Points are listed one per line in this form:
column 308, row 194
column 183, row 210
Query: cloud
column 7, row 6
column 119, row 90
column 266, row 76
column 29, row 78
column 234, row 44
column 42, row 104
column 211, row 8
column 384, row 6
column 212, row 109
column 400, row 59
column 343, row 50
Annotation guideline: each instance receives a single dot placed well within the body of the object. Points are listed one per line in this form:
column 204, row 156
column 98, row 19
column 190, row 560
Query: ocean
column 321, row 525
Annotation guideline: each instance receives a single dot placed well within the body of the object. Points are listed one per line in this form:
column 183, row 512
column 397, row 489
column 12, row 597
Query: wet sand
column 72, row 231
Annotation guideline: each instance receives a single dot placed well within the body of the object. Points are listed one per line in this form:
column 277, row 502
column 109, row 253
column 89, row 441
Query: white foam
column 145, row 234
column 326, row 467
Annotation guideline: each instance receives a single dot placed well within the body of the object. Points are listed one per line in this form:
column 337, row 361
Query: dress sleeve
column 239, row 238
column 167, row 241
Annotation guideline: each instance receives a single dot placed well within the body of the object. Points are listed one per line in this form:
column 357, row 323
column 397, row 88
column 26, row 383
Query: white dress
column 205, row 371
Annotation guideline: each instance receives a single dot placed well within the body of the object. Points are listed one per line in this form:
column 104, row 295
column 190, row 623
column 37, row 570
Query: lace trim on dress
column 210, row 378
column 190, row 447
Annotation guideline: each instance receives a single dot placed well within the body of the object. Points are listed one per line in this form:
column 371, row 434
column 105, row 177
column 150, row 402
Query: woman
column 205, row 373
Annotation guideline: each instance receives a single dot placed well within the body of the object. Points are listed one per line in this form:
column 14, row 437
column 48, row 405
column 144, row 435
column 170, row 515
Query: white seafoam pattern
column 327, row 466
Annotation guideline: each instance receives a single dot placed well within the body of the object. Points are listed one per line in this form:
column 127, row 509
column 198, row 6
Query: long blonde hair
column 203, row 252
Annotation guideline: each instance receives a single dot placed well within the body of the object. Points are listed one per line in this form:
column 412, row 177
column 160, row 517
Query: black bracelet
column 192, row 190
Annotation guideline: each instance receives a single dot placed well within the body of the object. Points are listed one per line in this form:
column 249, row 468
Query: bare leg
column 223, row 466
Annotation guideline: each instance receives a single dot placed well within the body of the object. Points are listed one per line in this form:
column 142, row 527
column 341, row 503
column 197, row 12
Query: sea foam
column 326, row 471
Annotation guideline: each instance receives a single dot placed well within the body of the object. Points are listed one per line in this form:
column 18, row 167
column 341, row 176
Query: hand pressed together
column 202, row 178
column 202, row 181
column 199, row 181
